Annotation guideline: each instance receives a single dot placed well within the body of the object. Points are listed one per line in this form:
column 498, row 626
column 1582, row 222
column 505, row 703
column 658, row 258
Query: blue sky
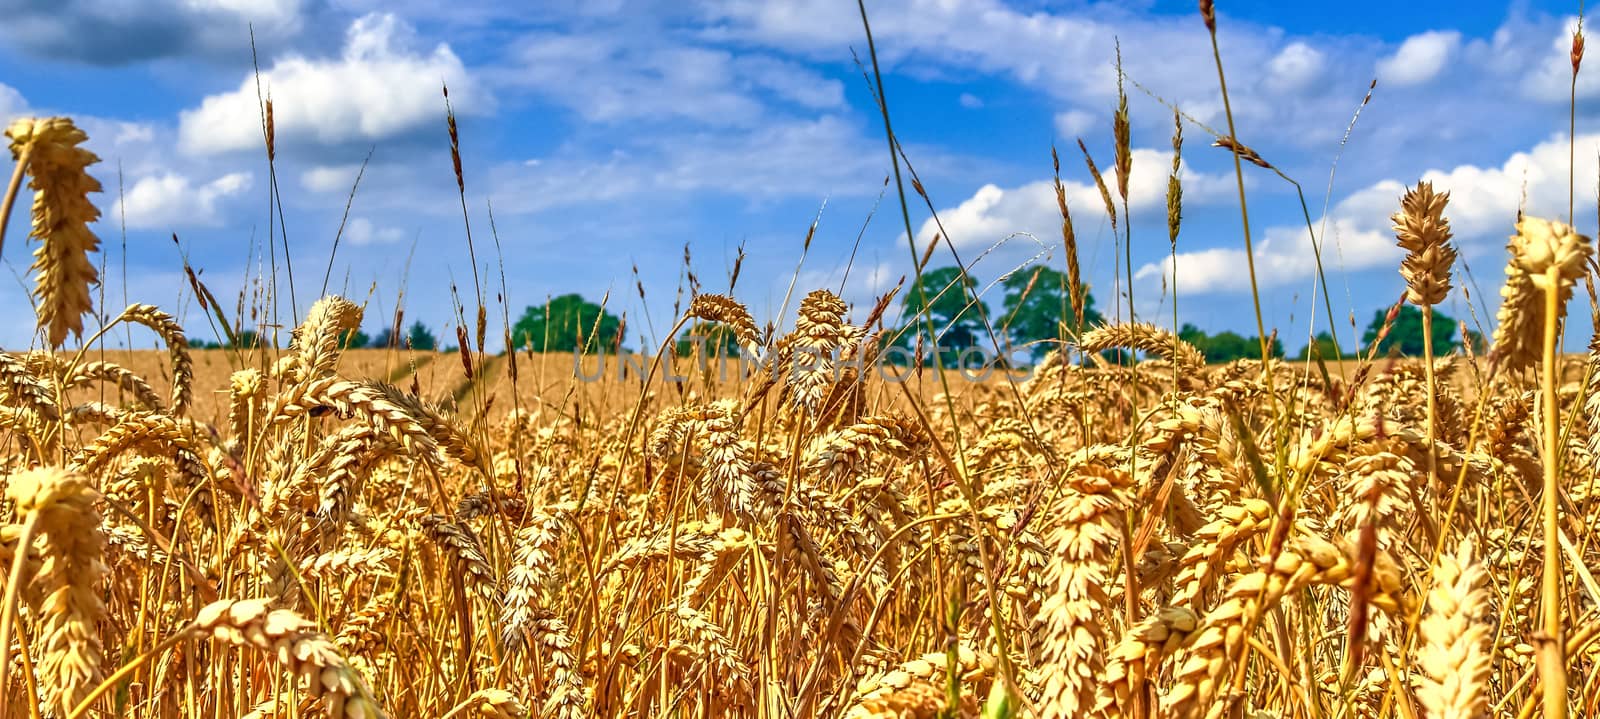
column 607, row 135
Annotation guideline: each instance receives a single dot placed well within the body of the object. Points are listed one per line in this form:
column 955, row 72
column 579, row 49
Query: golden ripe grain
column 1155, row 538
column 49, row 150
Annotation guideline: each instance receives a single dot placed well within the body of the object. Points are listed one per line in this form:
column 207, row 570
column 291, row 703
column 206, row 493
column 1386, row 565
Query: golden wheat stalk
column 316, row 341
column 1145, row 337
column 177, row 348
column 297, row 646
column 60, row 506
column 1454, row 657
column 728, row 311
column 1070, row 625
column 48, row 150
column 1424, row 233
column 1539, row 247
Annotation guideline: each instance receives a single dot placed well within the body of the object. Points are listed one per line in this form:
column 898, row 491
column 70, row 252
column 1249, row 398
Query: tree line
column 1037, row 313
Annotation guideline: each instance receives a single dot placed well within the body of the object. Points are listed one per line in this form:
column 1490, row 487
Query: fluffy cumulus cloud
column 1419, row 59
column 993, row 213
column 1073, row 123
column 820, row 157
column 116, row 32
column 329, row 178
column 1550, row 78
column 1069, row 55
column 12, row 104
column 644, row 78
column 1295, row 67
column 380, row 87
column 361, row 231
column 1284, row 256
column 1483, row 208
column 170, row 201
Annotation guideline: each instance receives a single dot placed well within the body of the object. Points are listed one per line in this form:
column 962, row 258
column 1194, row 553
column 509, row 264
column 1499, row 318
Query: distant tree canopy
column 1321, row 347
column 355, row 339
column 942, row 295
column 715, row 339
column 1227, row 346
column 1405, row 337
column 417, row 337
column 567, row 324
column 1037, row 313
column 384, row 340
column 1038, row 307
column 245, row 339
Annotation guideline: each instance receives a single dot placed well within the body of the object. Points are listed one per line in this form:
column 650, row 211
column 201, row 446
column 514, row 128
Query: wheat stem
column 1433, row 411
column 8, row 607
column 121, row 673
column 1552, row 652
column 12, row 188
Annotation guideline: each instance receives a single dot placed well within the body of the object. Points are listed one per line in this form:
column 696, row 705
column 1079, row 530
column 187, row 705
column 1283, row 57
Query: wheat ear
column 1538, row 247
column 61, row 504
column 177, row 348
column 1454, row 656
column 61, row 217
column 316, row 340
column 1072, row 635
column 728, row 311
column 1146, row 337
column 294, row 643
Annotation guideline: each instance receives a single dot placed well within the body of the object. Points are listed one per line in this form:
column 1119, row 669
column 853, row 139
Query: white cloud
column 135, row 133
column 329, row 178
column 827, row 155
column 12, row 104
column 360, row 231
column 1284, row 256
column 993, row 213
column 267, row 12
column 970, row 101
column 1069, row 55
column 646, row 78
column 1073, row 123
column 121, row 32
column 170, row 200
column 790, row 82
column 1550, row 79
column 1482, row 212
column 1295, row 67
column 1420, row 58
column 378, row 88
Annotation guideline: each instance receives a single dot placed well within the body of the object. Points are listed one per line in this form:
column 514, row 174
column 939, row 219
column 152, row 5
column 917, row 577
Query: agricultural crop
column 298, row 532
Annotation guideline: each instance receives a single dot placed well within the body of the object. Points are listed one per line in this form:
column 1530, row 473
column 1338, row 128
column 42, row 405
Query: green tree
column 355, row 339
column 1405, row 337
column 565, row 324
column 246, row 339
column 418, row 337
column 715, row 339
column 384, row 340
column 943, row 295
column 1227, row 345
column 1320, row 346
column 1038, row 307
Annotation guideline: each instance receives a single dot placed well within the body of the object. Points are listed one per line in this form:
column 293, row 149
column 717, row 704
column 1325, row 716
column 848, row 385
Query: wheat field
column 306, row 532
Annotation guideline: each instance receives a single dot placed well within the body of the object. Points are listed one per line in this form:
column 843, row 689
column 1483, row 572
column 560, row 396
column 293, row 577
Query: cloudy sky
column 608, row 135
